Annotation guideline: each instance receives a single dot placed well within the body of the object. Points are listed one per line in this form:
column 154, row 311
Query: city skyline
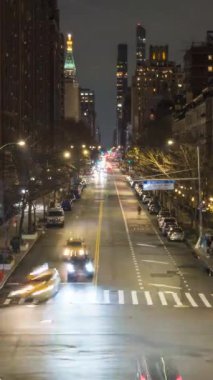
column 97, row 38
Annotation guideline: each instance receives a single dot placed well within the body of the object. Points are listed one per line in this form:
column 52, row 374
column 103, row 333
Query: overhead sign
column 158, row 184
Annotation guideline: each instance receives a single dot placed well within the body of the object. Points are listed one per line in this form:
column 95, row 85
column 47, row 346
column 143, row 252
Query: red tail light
column 143, row 377
column 179, row 377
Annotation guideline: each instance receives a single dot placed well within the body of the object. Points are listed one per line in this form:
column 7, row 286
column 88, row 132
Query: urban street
column 148, row 297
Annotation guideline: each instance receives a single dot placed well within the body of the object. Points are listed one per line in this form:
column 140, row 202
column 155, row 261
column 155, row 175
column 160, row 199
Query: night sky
column 99, row 25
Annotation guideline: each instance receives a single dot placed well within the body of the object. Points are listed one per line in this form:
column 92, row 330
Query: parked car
column 176, row 234
column 162, row 213
column 165, row 220
column 154, row 209
column 146, row 198
column 167, row 225
column 66, row 204
column 55, row 217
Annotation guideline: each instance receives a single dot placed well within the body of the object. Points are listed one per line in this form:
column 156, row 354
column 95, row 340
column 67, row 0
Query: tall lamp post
column 20, row 143
column 172, row 142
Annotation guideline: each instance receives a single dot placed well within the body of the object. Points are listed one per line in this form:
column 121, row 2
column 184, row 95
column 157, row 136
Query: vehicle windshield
column 55, row 213
column 74, row 243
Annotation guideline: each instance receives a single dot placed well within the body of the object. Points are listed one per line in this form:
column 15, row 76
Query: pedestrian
column 139, row 209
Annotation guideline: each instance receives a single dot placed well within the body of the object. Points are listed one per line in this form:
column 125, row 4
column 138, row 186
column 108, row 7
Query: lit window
column 210, row 57
column 210, row 69
column 164, row 56
column 153, row 56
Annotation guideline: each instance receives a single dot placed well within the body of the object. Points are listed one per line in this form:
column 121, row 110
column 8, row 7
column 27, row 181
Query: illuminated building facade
column 88, row 114
column 158, row 55
column 71, row 86
column 157, row 79
column 198, row 67
column 140, row 46
column 122, row 84
column 30, row 69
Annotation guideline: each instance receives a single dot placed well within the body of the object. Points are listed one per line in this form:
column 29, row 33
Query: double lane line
column 97, row 244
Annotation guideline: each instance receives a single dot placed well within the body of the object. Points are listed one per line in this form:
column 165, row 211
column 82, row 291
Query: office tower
column 122, row 84
column 158, row 55
column 71, row 86
column 140, row 46
column 88, row 114
column 30, row 69
column 198, row 66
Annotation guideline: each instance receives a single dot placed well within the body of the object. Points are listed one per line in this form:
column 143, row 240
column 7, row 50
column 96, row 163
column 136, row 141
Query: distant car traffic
column 41, row 284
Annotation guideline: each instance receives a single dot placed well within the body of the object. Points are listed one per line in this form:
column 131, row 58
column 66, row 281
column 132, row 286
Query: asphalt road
column 148, row 297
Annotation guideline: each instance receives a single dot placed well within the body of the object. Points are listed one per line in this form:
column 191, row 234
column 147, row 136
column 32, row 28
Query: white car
column 176, row 234
column 55, row 217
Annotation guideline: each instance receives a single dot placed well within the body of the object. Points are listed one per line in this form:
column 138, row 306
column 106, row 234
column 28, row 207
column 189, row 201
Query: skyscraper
column 122, row 84
column 71, row 86
column 140, row 46
column 30, row 69
column 88, row 114
column 198, row 66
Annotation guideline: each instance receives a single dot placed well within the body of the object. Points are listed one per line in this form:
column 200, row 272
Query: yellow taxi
column 41, row 284
column 74, row 247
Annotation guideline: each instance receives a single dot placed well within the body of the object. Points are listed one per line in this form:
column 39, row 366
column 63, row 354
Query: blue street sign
column 158, row 184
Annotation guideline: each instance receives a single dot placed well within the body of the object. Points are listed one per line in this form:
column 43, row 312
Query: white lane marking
column 165, row 286
column 191, row 300
column 7, row 301
column 204, row 299
column 148, row 298
column 121, row 297
column 162, row 298
column 106, row 296
column 134, row 297
column 147, row 245
column 176, row 299
column 155, row 262
column 126, row 225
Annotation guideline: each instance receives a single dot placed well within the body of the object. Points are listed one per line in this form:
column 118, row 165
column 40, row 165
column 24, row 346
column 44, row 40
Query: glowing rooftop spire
column 69, row 64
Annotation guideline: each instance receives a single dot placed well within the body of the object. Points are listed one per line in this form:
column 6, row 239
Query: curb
column 19, row 260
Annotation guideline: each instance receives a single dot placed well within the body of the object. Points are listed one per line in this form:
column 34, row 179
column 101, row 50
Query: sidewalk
column 7, row 231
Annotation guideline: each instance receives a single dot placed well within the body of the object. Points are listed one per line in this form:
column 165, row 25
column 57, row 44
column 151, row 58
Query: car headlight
column 44, row 290
column 89, row 267
column 66, row 252
column 70, row 268
column 19, row 292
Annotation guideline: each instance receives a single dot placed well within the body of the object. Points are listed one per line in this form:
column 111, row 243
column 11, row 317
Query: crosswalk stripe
column 176, row 299
column 163, row 298
column 148, row 298
column 134, row 297
column 191, row 300
column 121, row 297
column 204, row 299
column 7, row 301
column 106, row 296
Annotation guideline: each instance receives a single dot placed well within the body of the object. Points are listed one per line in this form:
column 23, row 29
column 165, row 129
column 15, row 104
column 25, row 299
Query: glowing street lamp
column 67, row 154
column 20, row 143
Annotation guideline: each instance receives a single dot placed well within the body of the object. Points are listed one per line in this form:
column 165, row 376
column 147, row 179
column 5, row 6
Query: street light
column 20, row 143
column 67, row 154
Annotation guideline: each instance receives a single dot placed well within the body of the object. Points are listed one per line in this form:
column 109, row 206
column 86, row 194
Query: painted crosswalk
column 145, row 298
